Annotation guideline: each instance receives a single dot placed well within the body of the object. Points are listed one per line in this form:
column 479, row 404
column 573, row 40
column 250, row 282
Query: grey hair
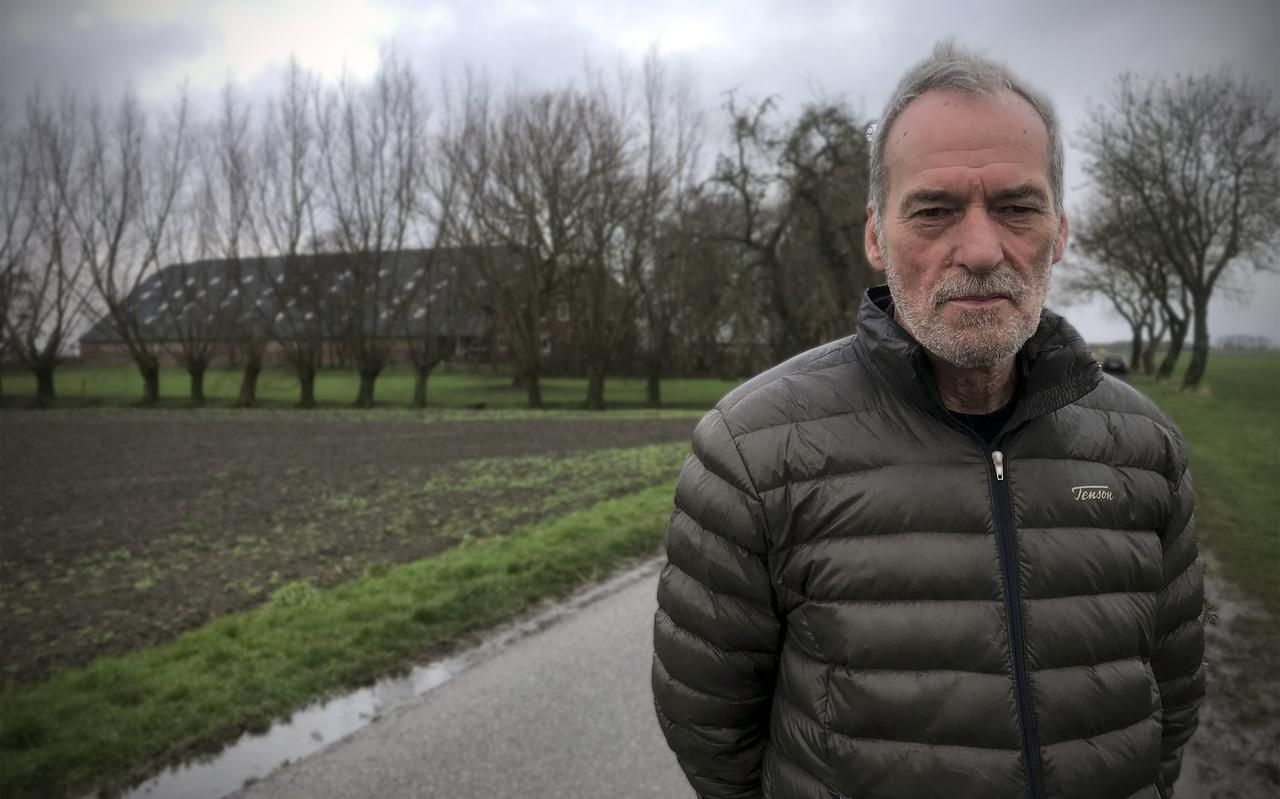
column 952, row 67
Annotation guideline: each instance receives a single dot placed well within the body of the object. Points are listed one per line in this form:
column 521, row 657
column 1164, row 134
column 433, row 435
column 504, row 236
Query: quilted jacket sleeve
column 1178, row 657
column 716, row 634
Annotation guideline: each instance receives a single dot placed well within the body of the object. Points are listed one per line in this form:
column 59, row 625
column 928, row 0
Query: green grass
column 121, row 385
column 118, row 719
column 1232, row 427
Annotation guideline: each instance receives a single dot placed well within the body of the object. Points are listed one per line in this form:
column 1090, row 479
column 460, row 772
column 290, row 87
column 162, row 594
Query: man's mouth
column 978, row 300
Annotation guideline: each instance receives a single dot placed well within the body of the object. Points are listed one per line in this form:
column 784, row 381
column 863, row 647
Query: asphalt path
column 566, row 713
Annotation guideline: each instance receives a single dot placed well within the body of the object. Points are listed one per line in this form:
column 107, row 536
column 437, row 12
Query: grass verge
column 1232, row 427
column 111, row 723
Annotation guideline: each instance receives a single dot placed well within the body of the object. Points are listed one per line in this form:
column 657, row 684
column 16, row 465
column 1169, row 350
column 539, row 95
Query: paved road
column 564, row 714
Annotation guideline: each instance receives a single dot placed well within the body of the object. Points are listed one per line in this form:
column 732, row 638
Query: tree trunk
column 1155, row 334
column 307, row 387
column 1177, row 335
column 653, row 393
column 249, row 382
column 1149, row 356
column 595, row 388
column 533, row 389
column 1135, row 353
column 1199, row 347
column 364, row 398
column 44, row 385
column 150, row 382
column 420, row 386
column 197, row 384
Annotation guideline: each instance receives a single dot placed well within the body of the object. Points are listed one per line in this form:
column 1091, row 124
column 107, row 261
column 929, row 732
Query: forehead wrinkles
column 967, row 129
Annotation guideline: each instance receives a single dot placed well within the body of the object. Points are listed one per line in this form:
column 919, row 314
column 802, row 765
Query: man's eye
column 1017, row 210
column 932, row 213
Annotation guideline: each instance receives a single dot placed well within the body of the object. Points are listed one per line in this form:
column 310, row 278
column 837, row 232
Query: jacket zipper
column 1161, row 789
column 1013, row 608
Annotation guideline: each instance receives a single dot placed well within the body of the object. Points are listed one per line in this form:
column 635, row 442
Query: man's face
column 969, row 230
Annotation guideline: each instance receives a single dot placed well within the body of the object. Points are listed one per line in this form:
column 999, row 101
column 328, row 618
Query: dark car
column 1115, row 365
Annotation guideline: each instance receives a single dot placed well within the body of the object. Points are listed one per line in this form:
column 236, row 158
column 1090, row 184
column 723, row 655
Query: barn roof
column 397, row 295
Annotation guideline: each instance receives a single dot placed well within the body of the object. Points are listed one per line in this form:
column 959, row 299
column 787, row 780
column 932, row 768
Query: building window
column 562, row 311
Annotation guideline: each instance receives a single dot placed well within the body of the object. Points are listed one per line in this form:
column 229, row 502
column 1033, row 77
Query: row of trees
column 1186, row 180
column 595, row 195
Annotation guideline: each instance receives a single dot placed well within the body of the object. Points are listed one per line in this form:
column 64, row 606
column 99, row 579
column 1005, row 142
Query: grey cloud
column 100, row 60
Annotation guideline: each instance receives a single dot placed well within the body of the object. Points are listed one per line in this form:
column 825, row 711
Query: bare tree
column 372, row 144
column 50, row 297
column 438, row 291
column 712, row 304
column 797, row 190
column 602, row 270
column 121, row 198
column 291, row 297
column 1197, row 158
column 674, row 129
column 1088, row 280
column 244, row 324
column 524, row 168
column 16, row 168
column 1126, row 267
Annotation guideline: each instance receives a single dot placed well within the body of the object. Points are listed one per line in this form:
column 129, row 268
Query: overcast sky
column 853, row 50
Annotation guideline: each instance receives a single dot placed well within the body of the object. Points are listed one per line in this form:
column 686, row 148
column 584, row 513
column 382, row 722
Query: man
column 945, row 557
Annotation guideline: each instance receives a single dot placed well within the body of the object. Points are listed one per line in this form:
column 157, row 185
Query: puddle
column 306, row 732
column 317, row 726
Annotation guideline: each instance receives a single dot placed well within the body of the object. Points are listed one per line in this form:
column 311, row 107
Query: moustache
column 1000, row 282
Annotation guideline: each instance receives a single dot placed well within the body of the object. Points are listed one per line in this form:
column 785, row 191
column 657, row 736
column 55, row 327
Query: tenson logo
column 1083, row 493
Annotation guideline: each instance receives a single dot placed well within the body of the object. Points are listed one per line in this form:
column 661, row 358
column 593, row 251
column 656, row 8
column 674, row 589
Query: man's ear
column 1060, row 242
column 872, row 242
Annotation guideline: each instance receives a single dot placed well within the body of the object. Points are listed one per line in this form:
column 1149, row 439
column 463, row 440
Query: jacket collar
column 1055, row 367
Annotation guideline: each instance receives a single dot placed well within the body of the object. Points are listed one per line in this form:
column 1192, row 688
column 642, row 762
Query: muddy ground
column 1235, row 753
column 123, row 529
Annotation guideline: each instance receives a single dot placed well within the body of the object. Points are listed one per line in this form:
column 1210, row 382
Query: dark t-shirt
column 986, row 425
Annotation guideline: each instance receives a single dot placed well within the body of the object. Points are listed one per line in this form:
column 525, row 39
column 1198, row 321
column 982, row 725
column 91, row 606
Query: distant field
column 121, row 385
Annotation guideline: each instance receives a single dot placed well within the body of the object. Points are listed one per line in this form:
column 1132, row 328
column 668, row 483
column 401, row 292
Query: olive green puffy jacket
column 865, row 601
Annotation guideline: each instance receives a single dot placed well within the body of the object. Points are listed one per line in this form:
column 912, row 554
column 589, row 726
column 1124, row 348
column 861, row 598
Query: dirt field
column 122, row 529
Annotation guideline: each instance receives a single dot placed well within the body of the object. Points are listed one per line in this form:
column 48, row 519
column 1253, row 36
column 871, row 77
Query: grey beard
column 982, row 341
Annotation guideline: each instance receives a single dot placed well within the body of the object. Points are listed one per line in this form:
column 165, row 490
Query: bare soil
column 123, row 529
column 1235, row 753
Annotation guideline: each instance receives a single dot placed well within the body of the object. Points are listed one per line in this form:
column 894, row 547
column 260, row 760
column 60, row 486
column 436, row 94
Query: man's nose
column 978, row 247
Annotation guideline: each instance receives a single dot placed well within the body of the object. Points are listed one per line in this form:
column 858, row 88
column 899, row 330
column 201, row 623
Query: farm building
column 400, row 299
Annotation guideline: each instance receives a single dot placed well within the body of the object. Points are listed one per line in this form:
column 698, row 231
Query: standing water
column 306, row 732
